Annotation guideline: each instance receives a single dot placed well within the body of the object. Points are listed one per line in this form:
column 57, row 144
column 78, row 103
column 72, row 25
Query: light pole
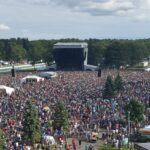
column 129, row 128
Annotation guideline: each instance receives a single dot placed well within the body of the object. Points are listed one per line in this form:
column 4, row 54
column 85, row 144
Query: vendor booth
column 31, row 78
column 142, row 146
column 94, row 137
column 6, row 89
column 145, row 131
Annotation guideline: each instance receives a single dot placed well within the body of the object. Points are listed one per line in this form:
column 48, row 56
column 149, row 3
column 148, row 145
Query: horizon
column 57, row 39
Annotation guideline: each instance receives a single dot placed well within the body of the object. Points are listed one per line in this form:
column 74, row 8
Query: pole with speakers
column 99, row 74
column 99, row 71
column 13, row 71
column 13, row 74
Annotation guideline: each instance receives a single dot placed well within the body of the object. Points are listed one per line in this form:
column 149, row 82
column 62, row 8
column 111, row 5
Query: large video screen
column 69, row 59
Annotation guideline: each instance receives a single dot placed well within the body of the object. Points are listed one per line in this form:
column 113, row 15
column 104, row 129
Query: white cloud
column 4, row 27
column 141, row 17
column 126, row 8
column 40, row 2
column 75, row 18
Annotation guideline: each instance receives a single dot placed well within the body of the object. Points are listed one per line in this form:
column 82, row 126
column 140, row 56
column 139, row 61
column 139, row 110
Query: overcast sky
column 83, row 19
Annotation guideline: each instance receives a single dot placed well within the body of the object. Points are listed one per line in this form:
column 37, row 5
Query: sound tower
column 13, row 72
column 99, row 72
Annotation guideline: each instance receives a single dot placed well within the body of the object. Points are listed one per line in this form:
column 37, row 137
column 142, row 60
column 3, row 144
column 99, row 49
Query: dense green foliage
column 60, row 120
column 109, row 90
column 113, row 148
column 106, row 148
column 118, row 83
column 136, row 110
column 112, row 87
column 31, row 128
column 2, row 141
column 110, row 53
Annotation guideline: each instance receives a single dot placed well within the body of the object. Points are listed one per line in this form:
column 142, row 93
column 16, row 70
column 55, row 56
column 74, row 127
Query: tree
column 108, row 91
column 116, row 54
column 7, row 47
column 18, row 53
column 2, row 141
column 136, row 110
column 60, row 120
column 106, row 148
column 2, row 52
column 48, row 54
column 137, row 52
column 113, row 53
column 36, row 51
column 118, row 83
column 31, row 127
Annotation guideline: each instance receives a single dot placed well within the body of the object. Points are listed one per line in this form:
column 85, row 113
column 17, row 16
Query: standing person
column 86, row 146
column 80, row 142
column 66, row 145
column 70, row 147
column 91, row 147
column 74, row 144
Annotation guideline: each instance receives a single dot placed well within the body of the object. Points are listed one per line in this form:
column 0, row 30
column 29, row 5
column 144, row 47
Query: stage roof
column 70, row 45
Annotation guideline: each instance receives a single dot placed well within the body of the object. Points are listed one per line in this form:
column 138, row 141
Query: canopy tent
column 147, row 69
column 142, row 146
column 94, row 136
column 8, row 90
column 31, row 78
column 48, row 74
column 145, row 131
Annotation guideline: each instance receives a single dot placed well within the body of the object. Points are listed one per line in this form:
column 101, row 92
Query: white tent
column 7, row 89
column 31, row 78
column 48, row 74
column 147, row 69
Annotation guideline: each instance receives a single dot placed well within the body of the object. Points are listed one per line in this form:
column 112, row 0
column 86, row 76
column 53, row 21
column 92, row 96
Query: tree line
column 108, row 52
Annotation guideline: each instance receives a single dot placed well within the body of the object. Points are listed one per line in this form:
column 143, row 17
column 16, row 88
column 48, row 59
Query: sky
column 83, row 19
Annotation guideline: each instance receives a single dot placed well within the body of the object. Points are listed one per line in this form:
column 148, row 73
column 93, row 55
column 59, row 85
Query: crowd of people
column 81, row 93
